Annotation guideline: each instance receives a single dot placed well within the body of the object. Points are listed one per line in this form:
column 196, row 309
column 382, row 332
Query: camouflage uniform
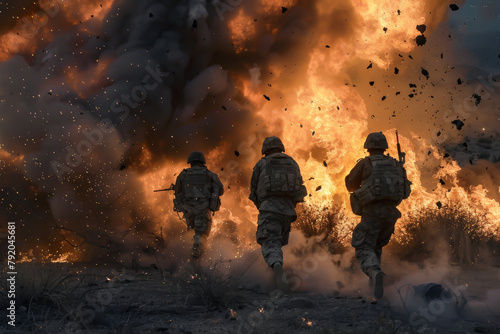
column 377, row 221
column 378, row 184
column 276, row 213
column 196, row 210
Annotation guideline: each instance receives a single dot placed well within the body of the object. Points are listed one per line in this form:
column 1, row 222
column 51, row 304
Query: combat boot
column 377, row 282
column 280, row 278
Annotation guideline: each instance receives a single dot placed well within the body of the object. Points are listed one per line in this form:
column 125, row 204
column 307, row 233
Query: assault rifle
column 177, row 203
column 171, row 188
column 402, row 160
column 402, row 155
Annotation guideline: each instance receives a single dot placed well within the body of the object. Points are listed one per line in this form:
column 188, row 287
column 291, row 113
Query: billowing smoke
column 104, row 102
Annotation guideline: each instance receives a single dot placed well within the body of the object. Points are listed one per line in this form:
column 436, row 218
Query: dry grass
column 212, row 286
column 326, row 223
column 37, row 280
column 452, row 229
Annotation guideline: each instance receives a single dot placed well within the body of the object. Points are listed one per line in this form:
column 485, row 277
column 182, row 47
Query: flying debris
column 421, row 28
column 477, row 98
column 458, row 123
column 425, row 73
column 420, row 40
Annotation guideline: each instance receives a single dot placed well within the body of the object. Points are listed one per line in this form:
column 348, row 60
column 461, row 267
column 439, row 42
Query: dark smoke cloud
column 57, row 101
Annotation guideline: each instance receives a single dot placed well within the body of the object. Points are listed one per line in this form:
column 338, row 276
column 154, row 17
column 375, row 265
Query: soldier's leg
column 385, row 233
column 269, row 237
column 364, row 241
column 286, row 224
column 202, row 227
column 378, row 253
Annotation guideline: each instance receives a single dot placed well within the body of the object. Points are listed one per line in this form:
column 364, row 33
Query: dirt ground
column 59, row 298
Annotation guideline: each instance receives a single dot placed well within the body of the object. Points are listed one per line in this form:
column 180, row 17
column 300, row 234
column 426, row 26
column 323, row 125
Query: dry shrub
column 211, row 286
column 325, row 222
column 36, row 280
column 453, row 229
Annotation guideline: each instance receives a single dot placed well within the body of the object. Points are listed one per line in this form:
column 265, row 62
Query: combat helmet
column 272, row 142
column 196, row 156
column 376, row 140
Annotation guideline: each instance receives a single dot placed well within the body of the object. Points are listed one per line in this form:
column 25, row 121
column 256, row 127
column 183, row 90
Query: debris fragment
column 458, row 123
column 454, row 7
column 477, row 98
column 267, row 97
column 425, row 73
column 439, row 204
column 421, row 28
column 236, row 153
column 283, row 10
column 420, row 40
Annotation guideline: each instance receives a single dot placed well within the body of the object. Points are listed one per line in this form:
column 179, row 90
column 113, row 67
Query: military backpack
column 279, row 176
column 196, row 183
column 386, row 183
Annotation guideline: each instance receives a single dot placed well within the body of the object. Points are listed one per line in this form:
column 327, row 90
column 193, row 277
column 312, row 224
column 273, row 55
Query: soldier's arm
column 217, row 184
column 178, row 184
column 353, row 180
column 303, row 191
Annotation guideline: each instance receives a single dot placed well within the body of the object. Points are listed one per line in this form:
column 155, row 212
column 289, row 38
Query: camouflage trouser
column 272, row 233
column 199, row 218
column 369, row 236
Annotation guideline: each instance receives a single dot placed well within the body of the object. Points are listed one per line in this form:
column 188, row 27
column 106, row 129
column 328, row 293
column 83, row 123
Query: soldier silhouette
column 197, row 192
column 276, row 188
column 377, row 184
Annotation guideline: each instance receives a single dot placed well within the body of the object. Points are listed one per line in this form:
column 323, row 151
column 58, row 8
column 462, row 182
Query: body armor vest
column 386, row 182
column 278, row 177
column 196, row 184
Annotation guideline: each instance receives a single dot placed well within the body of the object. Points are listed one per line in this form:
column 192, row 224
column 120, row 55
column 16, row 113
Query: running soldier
column 377, row 184
column 197, row 192
column 276, row 188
